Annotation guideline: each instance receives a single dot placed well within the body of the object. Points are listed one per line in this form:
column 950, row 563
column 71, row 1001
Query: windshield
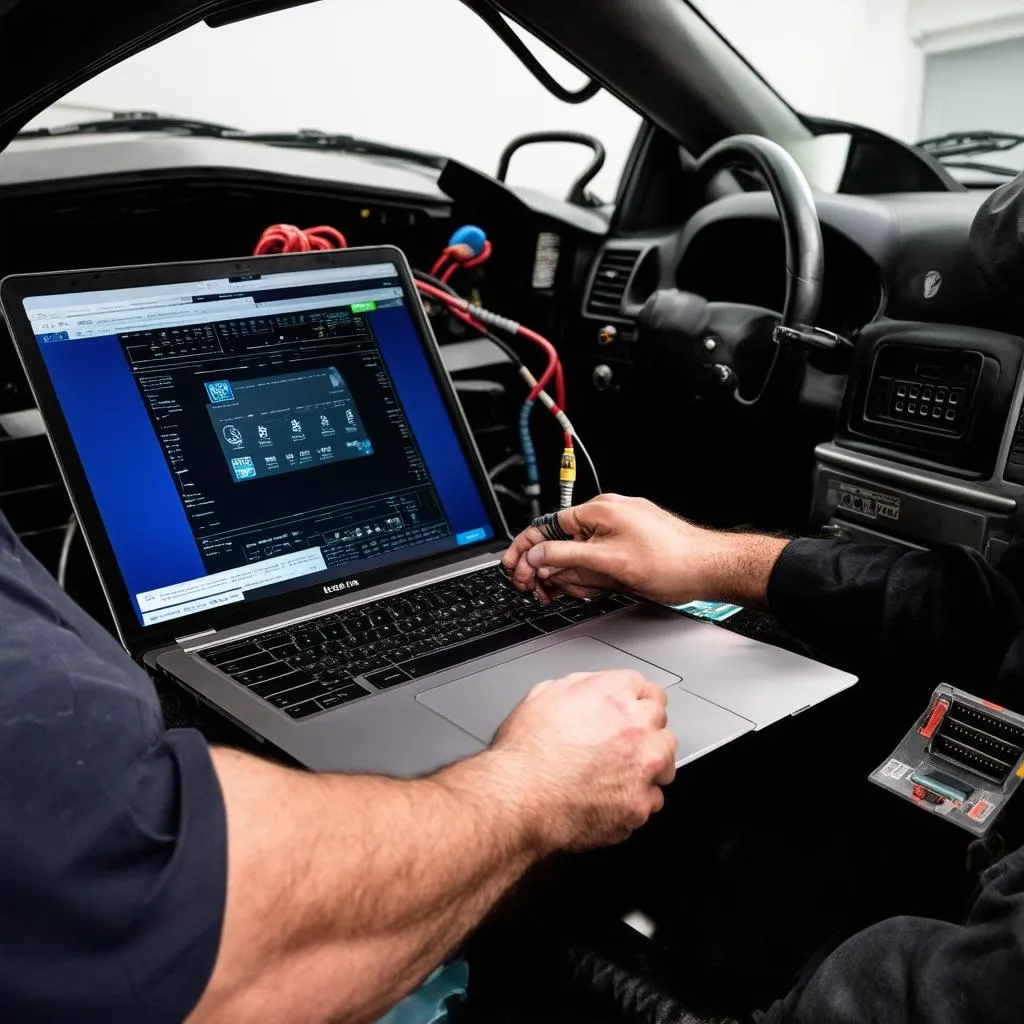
column 427, row 76
column 913, row 69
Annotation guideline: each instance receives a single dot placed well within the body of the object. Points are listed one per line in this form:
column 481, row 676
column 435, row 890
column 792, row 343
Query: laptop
column 291, row 520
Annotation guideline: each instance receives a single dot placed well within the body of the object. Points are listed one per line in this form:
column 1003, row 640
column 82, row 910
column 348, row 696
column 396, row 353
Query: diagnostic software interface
column 252, row 435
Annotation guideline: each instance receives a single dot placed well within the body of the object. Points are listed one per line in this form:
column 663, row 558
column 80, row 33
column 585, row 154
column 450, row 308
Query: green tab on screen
column 363, row 307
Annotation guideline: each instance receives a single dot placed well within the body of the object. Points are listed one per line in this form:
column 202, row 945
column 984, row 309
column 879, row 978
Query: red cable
column 485, row 254
column 454, row 252
column 282, row 238
column 334, row 234
column 279, row 238
column 553, row 369
column 441, row 260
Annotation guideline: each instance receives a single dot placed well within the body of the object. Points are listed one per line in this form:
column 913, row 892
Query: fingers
column 580, row 521
column 669, row 746
column 537, row 690
column 571, row 522
column 653, row 713
column 651, row 691
column 568, row 582
column 571, row 554
column 592, row 516
column 657, row 800
column 519, row 546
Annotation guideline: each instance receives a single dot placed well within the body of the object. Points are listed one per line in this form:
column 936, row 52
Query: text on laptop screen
column 245, row 437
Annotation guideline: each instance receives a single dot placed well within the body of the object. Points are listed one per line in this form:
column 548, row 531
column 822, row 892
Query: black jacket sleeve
column 912, row 969
column 944, row 614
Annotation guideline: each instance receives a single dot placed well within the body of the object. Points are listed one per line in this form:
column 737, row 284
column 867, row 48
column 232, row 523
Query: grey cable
column 512, row 460
column 65, row 551
column 510, row 494
column 590, row 461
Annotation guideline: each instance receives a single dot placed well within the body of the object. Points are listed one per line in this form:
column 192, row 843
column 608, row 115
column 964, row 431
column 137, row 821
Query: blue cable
column 529, row 452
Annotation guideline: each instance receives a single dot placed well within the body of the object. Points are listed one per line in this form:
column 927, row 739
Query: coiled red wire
column 288, row 238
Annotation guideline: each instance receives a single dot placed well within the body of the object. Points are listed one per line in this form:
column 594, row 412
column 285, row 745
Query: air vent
column 610, row 279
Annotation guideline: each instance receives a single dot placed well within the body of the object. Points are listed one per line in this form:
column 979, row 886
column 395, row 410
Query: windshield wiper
column 311, row 138
column 986, row 168
column 307, row 138
column 133, row 121
column 973, row 143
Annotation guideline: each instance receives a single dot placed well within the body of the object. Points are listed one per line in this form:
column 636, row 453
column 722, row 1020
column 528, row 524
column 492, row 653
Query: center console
column 929, row 447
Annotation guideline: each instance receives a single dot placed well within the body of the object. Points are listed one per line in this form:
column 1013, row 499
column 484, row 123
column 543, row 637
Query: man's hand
column 589, row 753
column 633, row 545
column 345, row 891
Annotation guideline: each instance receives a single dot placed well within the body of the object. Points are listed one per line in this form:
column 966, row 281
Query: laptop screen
column 249, row 436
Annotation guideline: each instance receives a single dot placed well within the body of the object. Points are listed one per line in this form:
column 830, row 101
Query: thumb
column 571, row 554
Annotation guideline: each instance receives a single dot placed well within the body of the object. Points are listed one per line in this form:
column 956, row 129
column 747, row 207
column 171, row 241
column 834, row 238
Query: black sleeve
column 914, row 969
column 943, row 614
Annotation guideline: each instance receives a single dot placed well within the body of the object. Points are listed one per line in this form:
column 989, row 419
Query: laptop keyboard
column 325, row 662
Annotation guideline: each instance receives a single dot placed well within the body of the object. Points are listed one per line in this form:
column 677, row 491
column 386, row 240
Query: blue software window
column 271, row 451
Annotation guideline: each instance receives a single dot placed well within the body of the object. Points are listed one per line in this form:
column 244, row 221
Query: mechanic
column 146, row 877
column 946, row 612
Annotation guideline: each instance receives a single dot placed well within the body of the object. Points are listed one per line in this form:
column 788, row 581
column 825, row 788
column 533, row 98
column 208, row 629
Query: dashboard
column 896, row 265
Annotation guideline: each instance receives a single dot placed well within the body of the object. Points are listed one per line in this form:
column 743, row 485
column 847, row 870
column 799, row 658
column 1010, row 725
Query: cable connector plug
column 566, row 478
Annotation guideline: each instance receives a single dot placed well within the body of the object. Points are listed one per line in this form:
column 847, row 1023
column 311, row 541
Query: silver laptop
column 290, row 518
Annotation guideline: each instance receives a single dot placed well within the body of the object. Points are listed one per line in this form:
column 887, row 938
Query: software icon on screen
column 219, row 390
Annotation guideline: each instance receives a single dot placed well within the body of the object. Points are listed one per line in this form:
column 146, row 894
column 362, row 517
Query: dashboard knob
column 602, row 377
column 607, row 334
column 721, row 374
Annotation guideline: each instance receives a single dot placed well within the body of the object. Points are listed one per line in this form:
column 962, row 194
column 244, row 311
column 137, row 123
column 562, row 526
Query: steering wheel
column 752, row 354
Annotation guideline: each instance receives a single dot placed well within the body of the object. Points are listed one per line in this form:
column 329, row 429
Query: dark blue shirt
column 113, row 845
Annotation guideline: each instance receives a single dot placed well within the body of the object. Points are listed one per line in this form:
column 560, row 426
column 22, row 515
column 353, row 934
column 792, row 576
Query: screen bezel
column 136, row 637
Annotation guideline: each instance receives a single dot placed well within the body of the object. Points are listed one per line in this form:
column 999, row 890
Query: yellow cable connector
column 566, row 478
column 567, row 473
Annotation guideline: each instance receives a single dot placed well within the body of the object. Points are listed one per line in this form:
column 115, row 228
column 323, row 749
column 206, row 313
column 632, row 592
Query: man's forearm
column 738, row 566
column 347, row 890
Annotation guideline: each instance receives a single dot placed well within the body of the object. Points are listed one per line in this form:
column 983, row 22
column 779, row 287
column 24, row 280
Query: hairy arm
column 345, row 891
column 868, row 607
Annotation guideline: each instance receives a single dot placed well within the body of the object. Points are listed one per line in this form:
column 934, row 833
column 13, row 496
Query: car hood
column 48, row 47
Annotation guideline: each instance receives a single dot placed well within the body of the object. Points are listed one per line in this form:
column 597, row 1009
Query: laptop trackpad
column 481, row 702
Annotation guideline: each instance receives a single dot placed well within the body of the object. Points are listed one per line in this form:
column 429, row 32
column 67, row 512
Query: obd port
column 980, row 741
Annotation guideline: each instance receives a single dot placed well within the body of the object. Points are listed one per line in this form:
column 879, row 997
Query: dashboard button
column 912, row 408
column 927, row 394
column 899, row 407
column 940, row 395
column 914, row 392
column 951, row 414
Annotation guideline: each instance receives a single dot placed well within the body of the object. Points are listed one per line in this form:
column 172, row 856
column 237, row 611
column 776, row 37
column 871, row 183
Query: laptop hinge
column 194, row 636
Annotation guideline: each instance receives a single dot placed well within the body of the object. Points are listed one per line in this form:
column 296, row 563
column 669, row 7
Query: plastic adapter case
column 963, row 760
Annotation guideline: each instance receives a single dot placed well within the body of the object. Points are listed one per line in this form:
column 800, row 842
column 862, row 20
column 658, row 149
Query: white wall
column 848, row 59
column 940, row 25
column 428, row 74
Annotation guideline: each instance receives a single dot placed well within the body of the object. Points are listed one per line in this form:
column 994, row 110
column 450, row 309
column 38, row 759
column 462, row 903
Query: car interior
column 753, row 336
